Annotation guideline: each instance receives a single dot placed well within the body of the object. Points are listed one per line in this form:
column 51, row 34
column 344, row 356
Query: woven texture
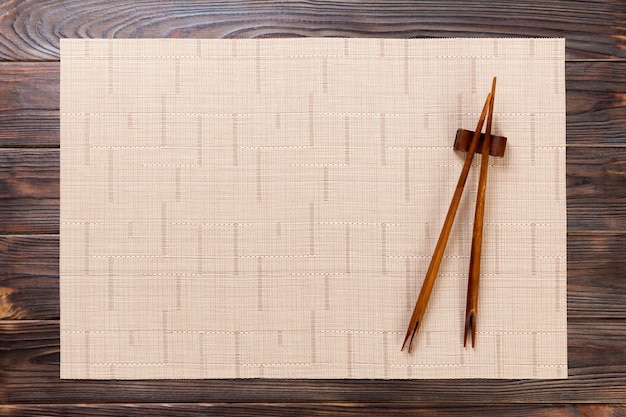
column 268, row 208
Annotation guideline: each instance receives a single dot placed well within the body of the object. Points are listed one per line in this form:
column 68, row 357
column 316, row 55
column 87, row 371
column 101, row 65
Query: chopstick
column 471, row 309
column 435, row 262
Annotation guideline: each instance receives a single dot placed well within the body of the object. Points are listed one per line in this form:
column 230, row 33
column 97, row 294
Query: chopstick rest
column 463, row 139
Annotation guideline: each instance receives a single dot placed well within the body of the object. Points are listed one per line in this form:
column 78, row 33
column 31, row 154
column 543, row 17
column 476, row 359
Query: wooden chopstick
column 471, row 308
column 433, row 268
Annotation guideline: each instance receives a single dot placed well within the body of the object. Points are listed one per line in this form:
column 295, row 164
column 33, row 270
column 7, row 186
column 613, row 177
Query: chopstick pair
column 477, row 234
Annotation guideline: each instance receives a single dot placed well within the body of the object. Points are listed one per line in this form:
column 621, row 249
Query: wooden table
column 29, row 213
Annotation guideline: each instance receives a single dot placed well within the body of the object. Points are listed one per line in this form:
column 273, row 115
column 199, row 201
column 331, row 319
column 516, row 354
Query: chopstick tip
column 410, row 335
column 470, row 328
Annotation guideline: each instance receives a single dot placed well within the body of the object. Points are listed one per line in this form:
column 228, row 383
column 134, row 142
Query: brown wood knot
column 7, row 308
column 464, row 139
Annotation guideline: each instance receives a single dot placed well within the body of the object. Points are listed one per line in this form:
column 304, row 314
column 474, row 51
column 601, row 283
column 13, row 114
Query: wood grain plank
column 29, row 173
column 29, row 281
column 31, row 30
column 29, row 277
column 596, row 189
column 32, row 255
column 29, row 216
column 29, row 85
column 596, row 275
column 29, row 369
column 29, row 187
column 29, row 103
column 407, row 409
column 23, row 296
column 596, row 103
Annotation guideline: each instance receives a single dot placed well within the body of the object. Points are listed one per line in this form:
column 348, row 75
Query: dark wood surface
column 29, row 210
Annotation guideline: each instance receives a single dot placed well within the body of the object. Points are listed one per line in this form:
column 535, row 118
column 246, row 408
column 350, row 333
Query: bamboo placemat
column 268, row 208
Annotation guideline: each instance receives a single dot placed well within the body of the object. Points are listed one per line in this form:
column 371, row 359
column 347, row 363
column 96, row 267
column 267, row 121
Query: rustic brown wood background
column 29, row 210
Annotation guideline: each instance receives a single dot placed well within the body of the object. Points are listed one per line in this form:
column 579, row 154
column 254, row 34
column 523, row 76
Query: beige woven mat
column 268, row 208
